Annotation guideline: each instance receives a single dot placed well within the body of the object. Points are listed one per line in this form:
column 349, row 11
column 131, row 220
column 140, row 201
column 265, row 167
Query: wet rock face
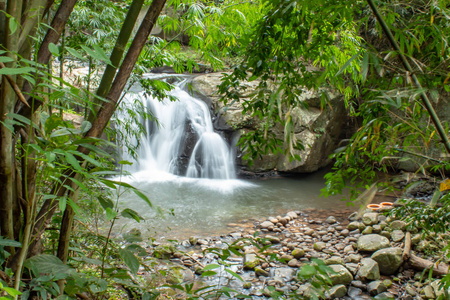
column 318, row 129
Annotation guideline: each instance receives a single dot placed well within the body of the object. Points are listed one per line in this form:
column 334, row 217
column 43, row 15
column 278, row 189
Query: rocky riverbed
column 364, row 258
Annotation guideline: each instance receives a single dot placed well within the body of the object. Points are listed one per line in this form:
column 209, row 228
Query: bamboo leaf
column 234, row 274
column 73, row 161
column 16, row 71
column 131, row 214
column 74, row 53
column 6, row 59
column 347, row 64
column 211, row 267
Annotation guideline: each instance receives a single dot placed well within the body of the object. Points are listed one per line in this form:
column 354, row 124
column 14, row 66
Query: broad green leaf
column 20, row 118
column 11, row 291
column 101, row 56
column 435, row 198
column 53, row 49
column 48, row 264
column 307, row 271
column 9, row 243
column 131, row 214
column 105, row 202
column 77, row 210
column 133, row 189
column 62, row 204
column 73, row 161
column 365, row 66
column 209, row 273
column 13, row 25
column 110, row 213
column 85, row 126
column 130, row 260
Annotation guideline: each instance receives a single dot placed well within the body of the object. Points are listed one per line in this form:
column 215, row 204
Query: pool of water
column 204, row 207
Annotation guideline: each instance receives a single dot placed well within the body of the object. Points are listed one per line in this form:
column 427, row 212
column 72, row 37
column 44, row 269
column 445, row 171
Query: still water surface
column 204, row 207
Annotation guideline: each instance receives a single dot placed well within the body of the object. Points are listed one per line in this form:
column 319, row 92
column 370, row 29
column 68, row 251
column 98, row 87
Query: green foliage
column 9, row 291
column 425, row 217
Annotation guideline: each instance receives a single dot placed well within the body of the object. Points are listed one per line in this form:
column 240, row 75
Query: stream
column 204, row 207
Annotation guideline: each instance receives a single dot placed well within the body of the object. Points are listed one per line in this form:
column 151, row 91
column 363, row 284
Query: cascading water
column 182, row 141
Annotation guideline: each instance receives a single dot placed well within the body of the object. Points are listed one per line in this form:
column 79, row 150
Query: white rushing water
column 181, row 142
column 186, row 168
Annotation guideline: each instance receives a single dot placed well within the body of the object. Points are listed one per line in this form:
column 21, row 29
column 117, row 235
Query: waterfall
column 182, row 140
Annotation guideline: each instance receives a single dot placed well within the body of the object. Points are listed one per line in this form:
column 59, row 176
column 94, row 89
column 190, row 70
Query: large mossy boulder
column 388, row 259
column 316, row 127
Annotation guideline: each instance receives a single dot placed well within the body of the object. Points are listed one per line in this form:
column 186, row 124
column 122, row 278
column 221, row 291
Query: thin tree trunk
column 7, row 169
column 33, row 13
column 107, row 109
column 44, row 54
column 29, row 191
column 66, row 231
column 117, row 54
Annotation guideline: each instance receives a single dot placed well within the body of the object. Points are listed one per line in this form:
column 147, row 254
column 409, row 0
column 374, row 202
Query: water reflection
column 204, row 207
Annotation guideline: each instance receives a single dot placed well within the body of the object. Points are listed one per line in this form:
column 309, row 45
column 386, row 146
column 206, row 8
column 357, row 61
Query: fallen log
column 420, row 264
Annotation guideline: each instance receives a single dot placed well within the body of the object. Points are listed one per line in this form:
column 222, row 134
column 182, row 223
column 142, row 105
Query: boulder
column 369, row 270
column 388, row 259
column 370, row 218
column 398, row 225
column 318, row 129
column 372, row 243
column 337, row 291
column 164, row 251
column 397, row 235
column 376, row 287
column 341, row 275
column 266, row 225
column 177, row 274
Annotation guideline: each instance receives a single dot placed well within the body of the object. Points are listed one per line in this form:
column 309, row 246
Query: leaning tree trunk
column 105, row 113
column 117, row 54
column 105, row 84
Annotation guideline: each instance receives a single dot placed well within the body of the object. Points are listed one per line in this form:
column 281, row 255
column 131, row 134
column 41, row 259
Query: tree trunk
column 7, row 169
column 117, row 54
column 44, row 54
